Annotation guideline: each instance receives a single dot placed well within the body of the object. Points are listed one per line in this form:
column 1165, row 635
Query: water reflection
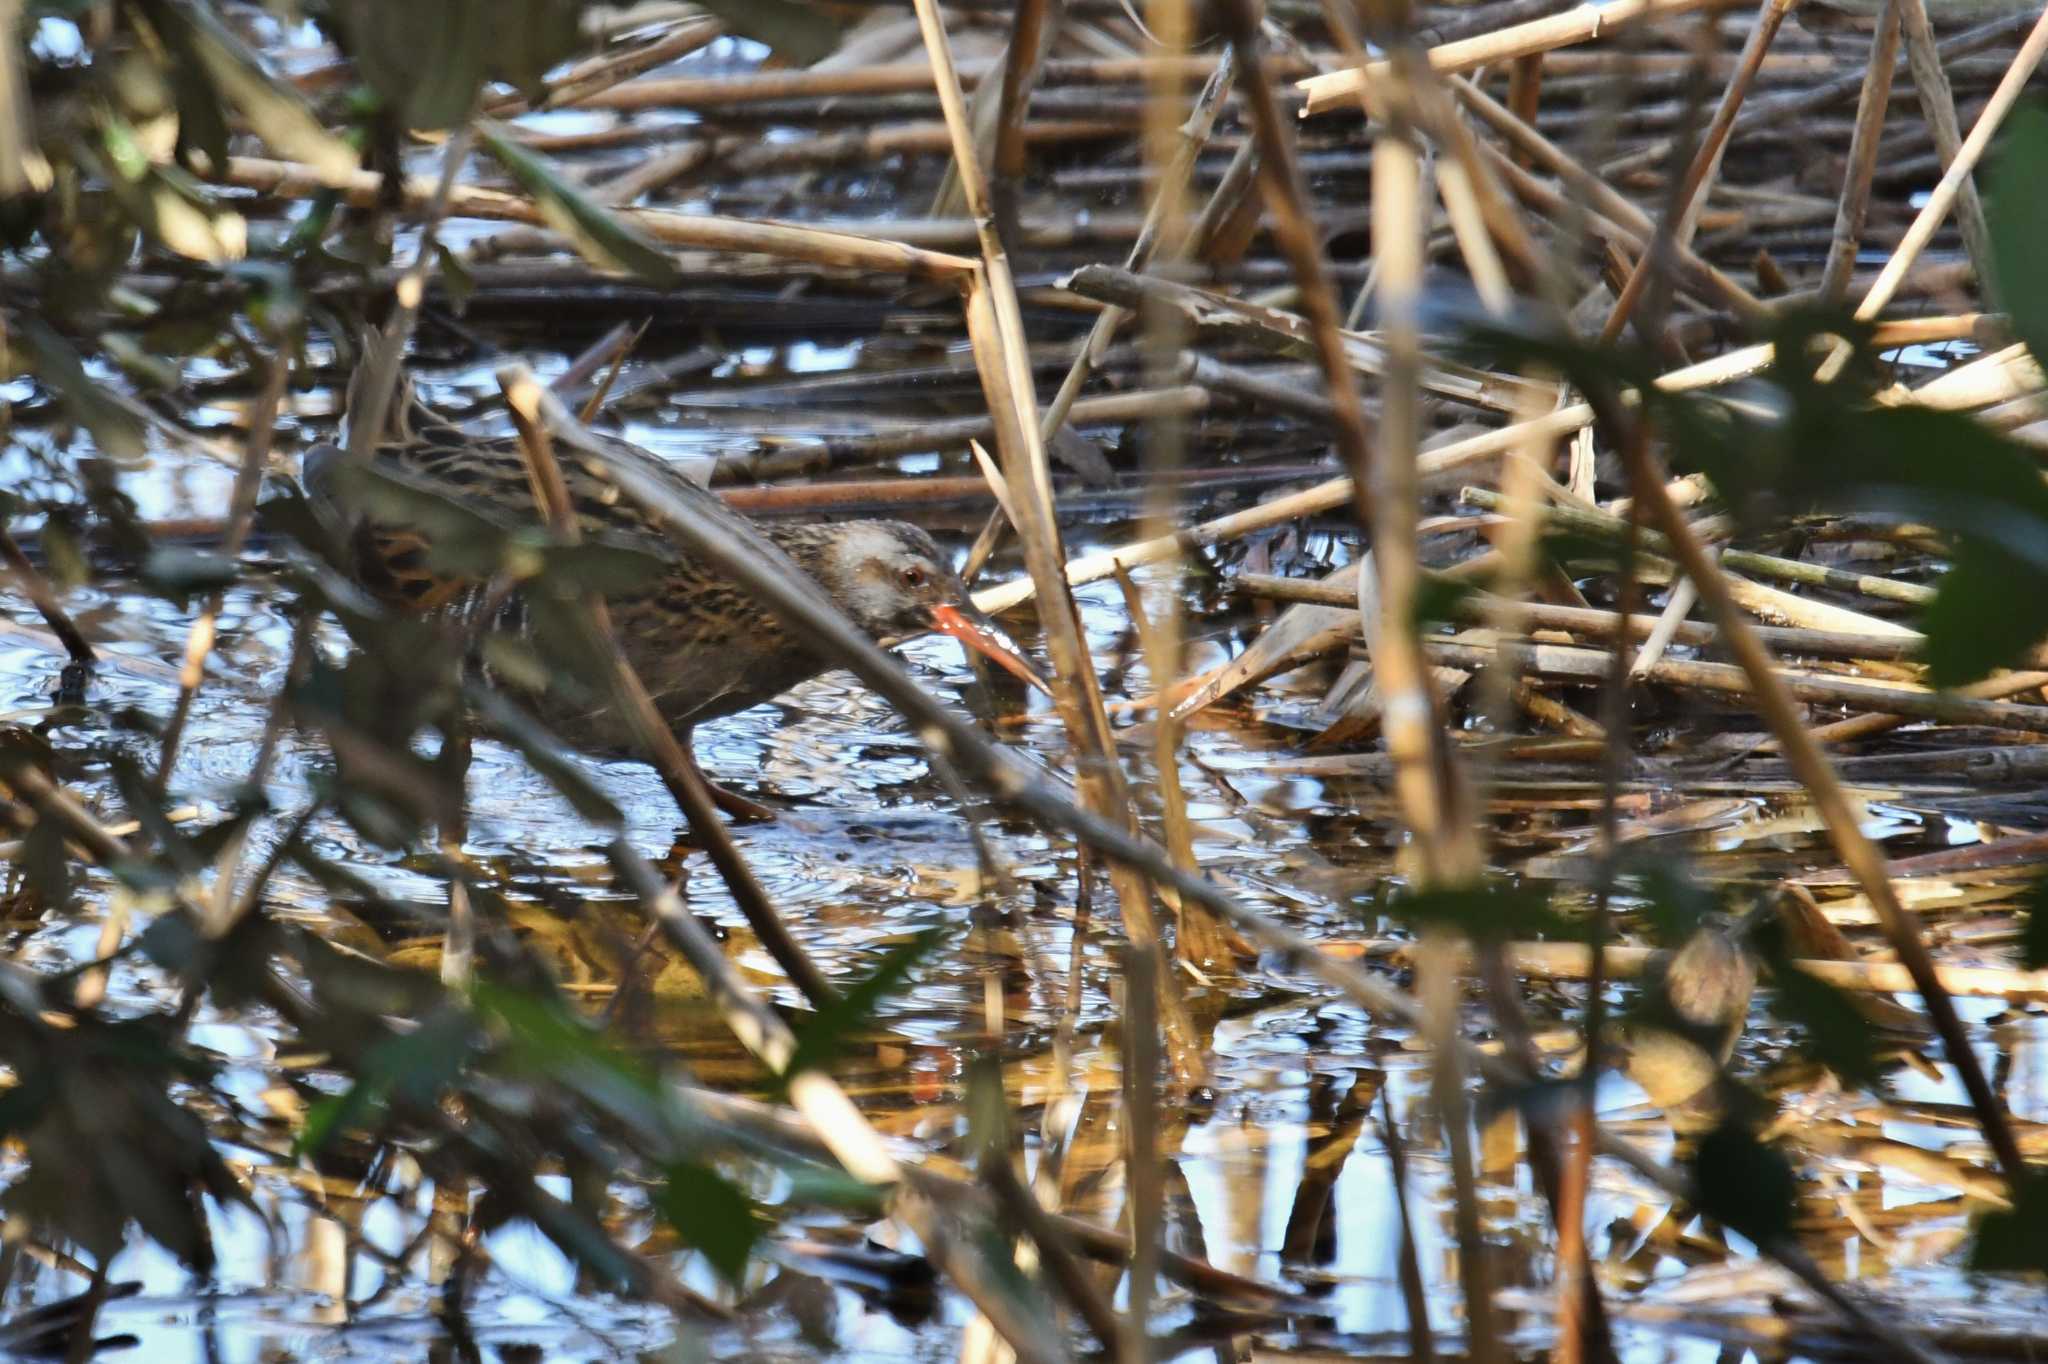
column 1284, row 1176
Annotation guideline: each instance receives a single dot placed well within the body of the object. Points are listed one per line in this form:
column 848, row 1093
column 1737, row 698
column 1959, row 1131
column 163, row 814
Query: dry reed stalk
column 1323, row 497
column 1864, row 726
column 1774, row 701
column 951, row 433
column 1340, row 88
column 715, row 92
column 1938, row 105
column 1943, row 195
column 541, row 417
column 1421, row 1339
column 1701, row 275
column 1172, row 144
column 199, row 639
column 1062, row 1263
column 1017, row 787
column 1292, row 334
column 1871, row 106
column 2001, row 376
column 1505, row 614
column 784, row 241
column 16, row 568
column 1675, row 227
column 1588, row 666
column 1193, row 136
column 1608, row 525
column 379, row 369
column 1683, row 595
column 1031, row 38
column 1428, row 779
column 592, row 77
column 1142, row 1155
column 1796, row 108
column 996, row 329
column 781, row 1129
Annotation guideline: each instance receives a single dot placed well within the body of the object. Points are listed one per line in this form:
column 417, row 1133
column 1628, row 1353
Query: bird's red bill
column 951, row 620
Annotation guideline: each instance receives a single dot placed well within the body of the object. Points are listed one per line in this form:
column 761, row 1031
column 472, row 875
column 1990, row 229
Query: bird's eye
column 913, row 576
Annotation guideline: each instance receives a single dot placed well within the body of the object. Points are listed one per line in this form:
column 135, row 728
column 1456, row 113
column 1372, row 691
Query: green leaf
column 114, row 429
column 1439, row 600
column 1744, row 1184
column 2014, row 1240
column 822, row 1037
column 594, row 566
column 2034, row 932
column 427, row 61
column 1674, row 904
column 710, row 1213
column 415, row 1067
column 1491, row 911
column 543, row 1036
column 2018, row 214
column 1837, row 1033
column 458, row 284
column 276, row 112
column 798, row 33
column 599, row 235
column 1987, row 612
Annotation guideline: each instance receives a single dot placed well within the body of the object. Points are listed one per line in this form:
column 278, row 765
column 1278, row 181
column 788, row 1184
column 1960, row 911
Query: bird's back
column 699, row 642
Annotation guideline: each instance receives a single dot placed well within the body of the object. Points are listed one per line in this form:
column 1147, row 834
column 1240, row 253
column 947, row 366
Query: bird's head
column 894, row 581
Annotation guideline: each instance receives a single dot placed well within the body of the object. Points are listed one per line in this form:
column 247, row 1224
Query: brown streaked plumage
column 702, row 645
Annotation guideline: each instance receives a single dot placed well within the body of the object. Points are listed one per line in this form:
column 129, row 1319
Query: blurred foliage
column 123, row 267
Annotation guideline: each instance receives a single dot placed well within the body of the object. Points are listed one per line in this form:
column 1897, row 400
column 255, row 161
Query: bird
column 701, row 645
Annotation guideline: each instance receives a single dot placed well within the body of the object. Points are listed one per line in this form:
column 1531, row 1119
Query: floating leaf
column 598, row 234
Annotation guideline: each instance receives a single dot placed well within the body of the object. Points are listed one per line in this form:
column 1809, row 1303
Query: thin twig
column 539, row 415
